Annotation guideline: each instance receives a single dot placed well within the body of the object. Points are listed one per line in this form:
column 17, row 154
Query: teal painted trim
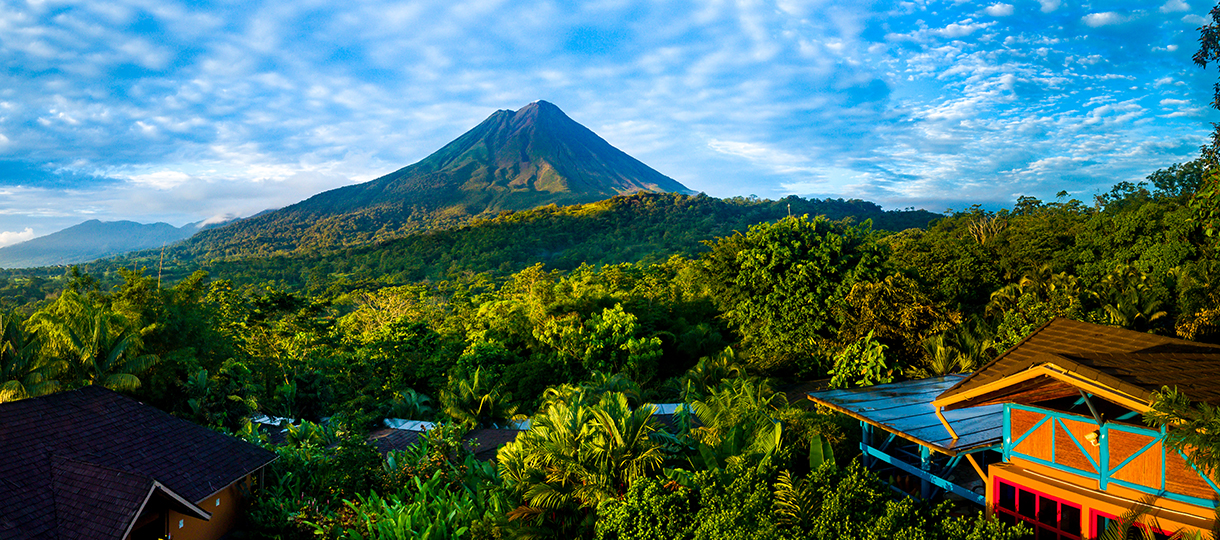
column 925, row 465
column 925, row 476
column 866, row 438
column 1200, row 473
column 1128, row 416
column 1053, row 437
column 1136, row 430
column 1096, row 468
column 1138, row 453
column 1057, row 466
column 888, row 440
column 1032, row 430
column 1164, row 466
column 953, row 462
column 1103, row 456
column 1006, row 444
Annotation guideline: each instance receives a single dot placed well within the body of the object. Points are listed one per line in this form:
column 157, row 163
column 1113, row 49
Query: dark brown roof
column 490, row 440
column 89, row 454
column 1135, row 363
column 394, row 439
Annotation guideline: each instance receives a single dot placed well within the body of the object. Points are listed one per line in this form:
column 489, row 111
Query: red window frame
column 1042, row 529
column 1093, row 529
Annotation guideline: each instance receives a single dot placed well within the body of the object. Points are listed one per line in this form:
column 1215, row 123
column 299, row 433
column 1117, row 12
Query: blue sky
column 154, row 110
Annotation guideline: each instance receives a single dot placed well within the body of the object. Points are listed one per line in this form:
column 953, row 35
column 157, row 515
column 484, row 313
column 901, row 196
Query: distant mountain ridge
column 92, row 240
column 513, row 160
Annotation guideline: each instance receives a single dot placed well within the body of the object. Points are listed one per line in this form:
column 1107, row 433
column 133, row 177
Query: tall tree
column 777, row 284
column 101, row 346
column 23, row 372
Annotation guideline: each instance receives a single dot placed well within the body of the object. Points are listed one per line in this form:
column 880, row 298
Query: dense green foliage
column 644, row 227
column 581, row 348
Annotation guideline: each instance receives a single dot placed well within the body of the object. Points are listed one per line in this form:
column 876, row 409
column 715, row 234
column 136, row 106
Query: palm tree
column 101, row 345
column 710, row 372
column 576, row 456
column 601, row 382
column 23, row 372
column 1136, row 523
column 1129, row 299
column 738, row 423
column 620, row 444
column 563, row 393
column 411, row 405
column 941, row 357
column 476, row 401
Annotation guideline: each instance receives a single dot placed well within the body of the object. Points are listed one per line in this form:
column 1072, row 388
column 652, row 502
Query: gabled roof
column 1064, row 357
column 905, row 409
column 94, row 456
column 92, row 501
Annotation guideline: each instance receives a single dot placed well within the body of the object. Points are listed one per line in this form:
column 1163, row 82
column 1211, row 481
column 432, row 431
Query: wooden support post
column 977, row 468
column 866, row 439
column 925, row 465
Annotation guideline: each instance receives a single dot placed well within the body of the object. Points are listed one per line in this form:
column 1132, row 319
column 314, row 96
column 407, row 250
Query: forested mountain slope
column 511, row 161
column 644, row 227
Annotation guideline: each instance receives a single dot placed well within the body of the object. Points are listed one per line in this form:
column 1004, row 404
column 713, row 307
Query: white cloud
column 956, row 30
column 1174, row 102
column 161, row 179
column 8, row 238
column 1103, row 19
column 999, row 10
column 776, row 160
column 1174, row 5
column 1049, row 5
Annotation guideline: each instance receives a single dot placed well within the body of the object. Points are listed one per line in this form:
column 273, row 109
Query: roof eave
column 1098, row 383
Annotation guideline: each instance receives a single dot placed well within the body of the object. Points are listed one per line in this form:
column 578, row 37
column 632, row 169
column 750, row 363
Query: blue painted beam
column 925, row 476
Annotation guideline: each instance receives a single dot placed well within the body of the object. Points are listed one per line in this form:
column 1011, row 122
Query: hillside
column 91, row 240
column 513, row 160
column 640, row 227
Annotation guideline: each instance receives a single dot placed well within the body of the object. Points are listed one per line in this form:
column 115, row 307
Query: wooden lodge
column 1057, row 437
column 93, row 464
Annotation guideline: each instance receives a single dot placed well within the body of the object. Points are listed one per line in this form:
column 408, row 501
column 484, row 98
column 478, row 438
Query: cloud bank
column 181, row 112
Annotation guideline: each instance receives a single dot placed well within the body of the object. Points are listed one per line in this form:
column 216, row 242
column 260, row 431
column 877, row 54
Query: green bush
column 757, row 503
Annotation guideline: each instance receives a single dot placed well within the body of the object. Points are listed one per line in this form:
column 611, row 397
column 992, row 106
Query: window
column 1102, row 520
column 1051, row 518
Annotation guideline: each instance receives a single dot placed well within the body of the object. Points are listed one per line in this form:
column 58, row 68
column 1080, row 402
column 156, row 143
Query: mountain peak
column 513, row 160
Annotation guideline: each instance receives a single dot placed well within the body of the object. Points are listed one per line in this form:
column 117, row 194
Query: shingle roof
column 490, row 440
column 92, row 501
column 1136, row 363
column 388, row 439
column 61, row 454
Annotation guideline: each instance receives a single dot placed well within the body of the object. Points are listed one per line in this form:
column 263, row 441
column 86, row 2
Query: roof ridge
column 1005, row 353
column 75, row 458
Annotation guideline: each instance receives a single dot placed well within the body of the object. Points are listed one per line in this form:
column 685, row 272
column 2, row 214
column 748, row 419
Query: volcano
column 513, row 160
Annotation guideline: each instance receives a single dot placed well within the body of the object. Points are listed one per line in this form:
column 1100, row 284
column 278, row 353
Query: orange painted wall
column 1175, row 516
column 1144, row 470
column 224, row 516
